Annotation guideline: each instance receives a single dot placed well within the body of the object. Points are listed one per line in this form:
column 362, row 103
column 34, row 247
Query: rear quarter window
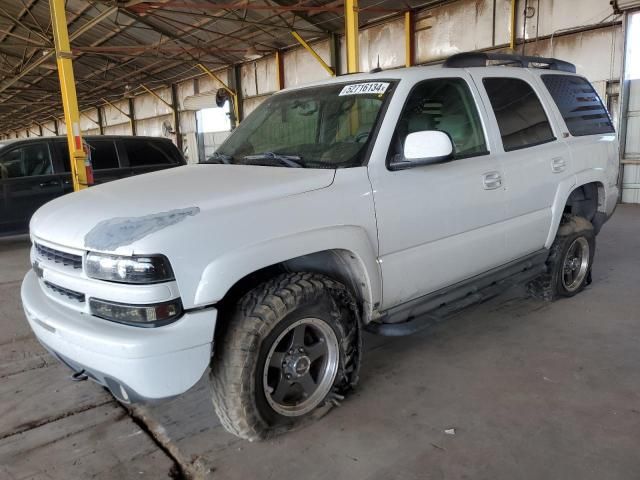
column 579, row 105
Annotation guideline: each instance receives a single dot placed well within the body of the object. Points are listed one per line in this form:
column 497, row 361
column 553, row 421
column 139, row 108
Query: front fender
column 223, row 272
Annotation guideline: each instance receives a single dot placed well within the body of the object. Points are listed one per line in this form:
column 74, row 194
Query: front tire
column 291, row 346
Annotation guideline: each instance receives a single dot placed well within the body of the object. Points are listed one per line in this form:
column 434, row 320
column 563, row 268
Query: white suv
column 379, row 201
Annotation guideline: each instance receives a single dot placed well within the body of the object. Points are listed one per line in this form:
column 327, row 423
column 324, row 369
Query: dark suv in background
column 34, row 171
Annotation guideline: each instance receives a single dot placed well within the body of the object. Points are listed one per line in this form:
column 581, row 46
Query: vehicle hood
column 113, row 216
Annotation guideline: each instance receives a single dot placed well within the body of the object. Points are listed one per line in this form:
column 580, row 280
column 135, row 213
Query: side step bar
column 441, row 305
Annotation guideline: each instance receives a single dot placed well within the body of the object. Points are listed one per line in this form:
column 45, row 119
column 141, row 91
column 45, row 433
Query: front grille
column 65, row 292
column 57, row 256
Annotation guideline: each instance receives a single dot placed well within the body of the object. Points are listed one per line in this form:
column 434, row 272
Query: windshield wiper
column 219, row 158
column 287, row 160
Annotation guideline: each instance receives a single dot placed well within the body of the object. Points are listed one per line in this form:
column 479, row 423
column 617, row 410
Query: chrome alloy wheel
column 301, row 367
column 576, row 264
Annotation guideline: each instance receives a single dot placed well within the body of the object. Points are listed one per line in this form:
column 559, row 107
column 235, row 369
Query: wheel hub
column 573, row 263
column 576, row 264
column 296, row 365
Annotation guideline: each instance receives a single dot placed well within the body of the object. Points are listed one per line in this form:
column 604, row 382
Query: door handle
column 558, row 164
column 50, row 183
column 492, row 180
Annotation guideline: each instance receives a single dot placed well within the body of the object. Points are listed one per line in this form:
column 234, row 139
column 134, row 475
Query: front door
column 27, row 182
column 439, row 224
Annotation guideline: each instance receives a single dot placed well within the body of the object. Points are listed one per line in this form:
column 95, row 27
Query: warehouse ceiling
column 118, row 45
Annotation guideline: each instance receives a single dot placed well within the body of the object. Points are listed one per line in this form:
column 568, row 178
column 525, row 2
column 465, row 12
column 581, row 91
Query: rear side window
column 143, row 152
column 103, row 154
column 521, row 119
column 26, row 161
column 579, row 105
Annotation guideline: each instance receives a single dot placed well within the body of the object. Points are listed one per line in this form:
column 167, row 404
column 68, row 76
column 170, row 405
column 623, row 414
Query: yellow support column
column 69, row 100
column 279, row 70
column 409, row 33
column 351, row 33
column 512, row 22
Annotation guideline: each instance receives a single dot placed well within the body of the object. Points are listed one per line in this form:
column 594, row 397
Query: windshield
column 318, row 127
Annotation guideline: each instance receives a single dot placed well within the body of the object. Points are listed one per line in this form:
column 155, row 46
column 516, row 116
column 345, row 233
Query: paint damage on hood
column 117, row 232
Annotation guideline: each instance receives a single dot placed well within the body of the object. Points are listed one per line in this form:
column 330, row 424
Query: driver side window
column 26, row 161
column 444, row 104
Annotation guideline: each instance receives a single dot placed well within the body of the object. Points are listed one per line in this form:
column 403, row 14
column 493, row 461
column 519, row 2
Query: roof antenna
column 377, row 69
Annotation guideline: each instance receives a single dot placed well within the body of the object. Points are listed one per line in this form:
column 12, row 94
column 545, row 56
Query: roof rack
column 482, row 59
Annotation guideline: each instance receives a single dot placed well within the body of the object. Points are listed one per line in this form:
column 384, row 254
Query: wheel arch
column 585, row 197
column 344, row 254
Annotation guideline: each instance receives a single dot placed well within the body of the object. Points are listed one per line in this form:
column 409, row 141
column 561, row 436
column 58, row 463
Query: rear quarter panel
column 593, row 158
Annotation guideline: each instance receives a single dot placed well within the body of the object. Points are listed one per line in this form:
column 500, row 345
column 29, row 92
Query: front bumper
column 135, row 363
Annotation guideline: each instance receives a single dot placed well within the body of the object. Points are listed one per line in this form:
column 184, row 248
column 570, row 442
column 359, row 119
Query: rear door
column 27, row 181
column 534, row 158
column 145, row 155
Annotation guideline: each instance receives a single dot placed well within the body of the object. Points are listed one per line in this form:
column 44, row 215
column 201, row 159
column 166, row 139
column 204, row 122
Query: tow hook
column 79, row 376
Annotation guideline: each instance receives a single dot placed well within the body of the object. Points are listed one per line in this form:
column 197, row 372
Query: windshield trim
column 368, row 146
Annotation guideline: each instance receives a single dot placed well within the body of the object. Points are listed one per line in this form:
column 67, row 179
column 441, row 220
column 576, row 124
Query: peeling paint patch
column 117, row 232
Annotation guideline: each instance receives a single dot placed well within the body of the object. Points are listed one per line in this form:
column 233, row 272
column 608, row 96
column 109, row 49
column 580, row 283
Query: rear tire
column 569, row 262
column 291, row 349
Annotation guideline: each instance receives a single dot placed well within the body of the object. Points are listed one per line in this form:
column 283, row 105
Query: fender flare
column 225, row 271
column 565, row 188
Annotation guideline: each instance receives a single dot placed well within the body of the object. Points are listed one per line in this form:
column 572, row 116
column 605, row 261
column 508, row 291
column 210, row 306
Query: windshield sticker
column 365, row 88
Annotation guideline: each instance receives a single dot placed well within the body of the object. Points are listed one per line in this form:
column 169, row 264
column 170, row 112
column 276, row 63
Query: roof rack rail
column 482, row 59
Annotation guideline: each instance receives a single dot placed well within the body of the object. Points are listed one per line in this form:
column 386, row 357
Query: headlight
column 136, row 269
column 139, row 315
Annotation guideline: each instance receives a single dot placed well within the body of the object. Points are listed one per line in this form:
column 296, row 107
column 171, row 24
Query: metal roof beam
column 77, row 33
column 238, row 20
column 17, row 22
column 22, row 13
column 146, row 6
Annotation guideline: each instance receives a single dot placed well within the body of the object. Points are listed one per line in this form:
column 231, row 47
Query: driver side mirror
column 424, row 148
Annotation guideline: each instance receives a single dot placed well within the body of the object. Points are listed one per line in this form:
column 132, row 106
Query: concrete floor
column 531, row 390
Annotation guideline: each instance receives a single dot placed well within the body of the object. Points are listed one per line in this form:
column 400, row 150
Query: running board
column 438, row 307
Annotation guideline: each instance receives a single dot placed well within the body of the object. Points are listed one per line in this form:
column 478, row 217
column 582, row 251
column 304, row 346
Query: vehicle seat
column 456, row 123
column 40, row 165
